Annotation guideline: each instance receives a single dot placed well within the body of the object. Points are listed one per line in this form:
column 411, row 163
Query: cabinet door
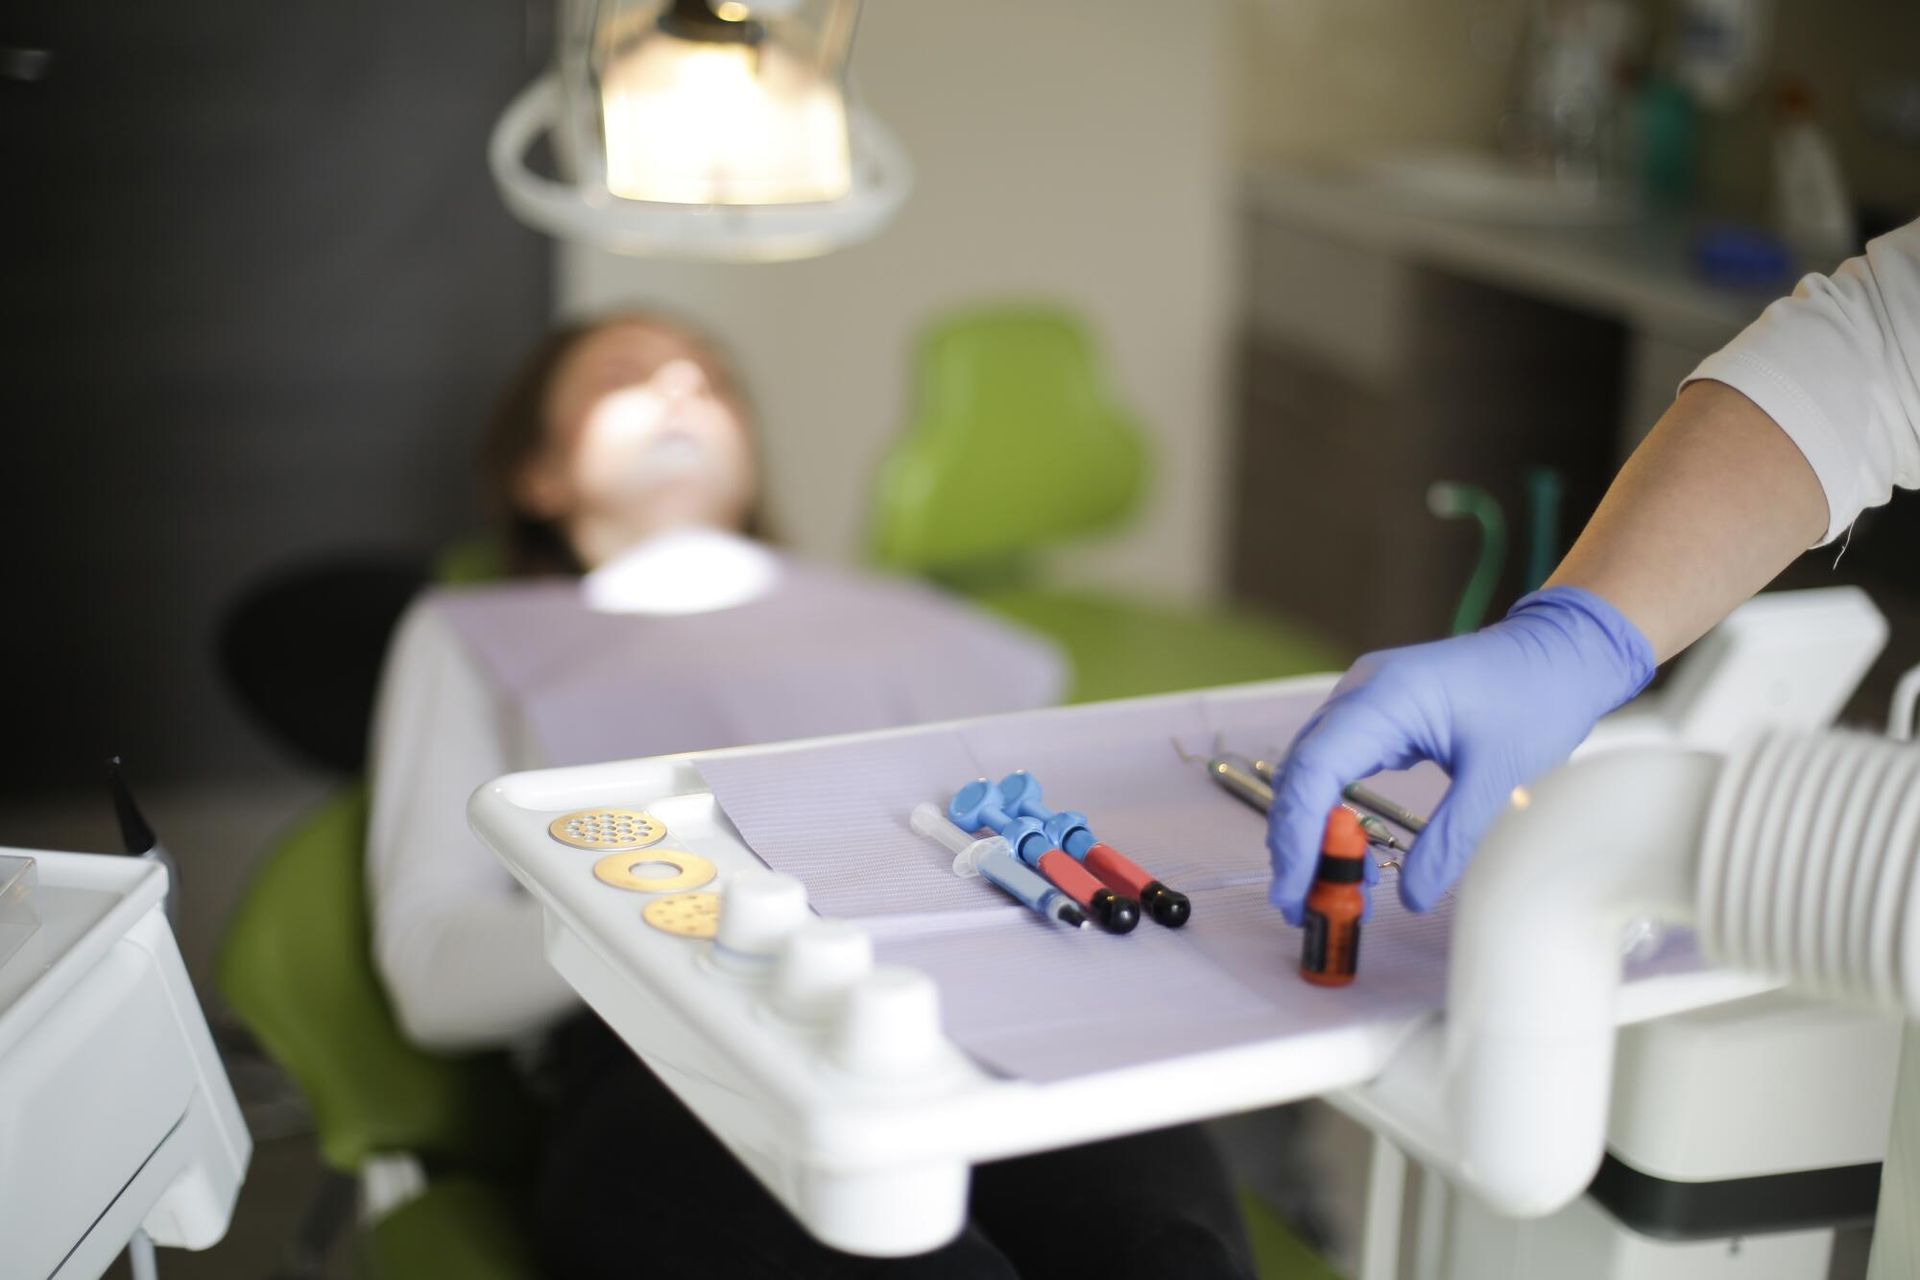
column 1334, row 458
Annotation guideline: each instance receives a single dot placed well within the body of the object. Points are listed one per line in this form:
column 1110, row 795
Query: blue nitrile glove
column 1495, row 709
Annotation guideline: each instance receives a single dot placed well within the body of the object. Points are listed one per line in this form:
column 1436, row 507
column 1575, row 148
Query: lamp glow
column 698, row 122
column 716, row 129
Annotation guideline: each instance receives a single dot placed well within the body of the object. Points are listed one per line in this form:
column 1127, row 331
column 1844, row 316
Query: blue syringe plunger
column 1020, row 794
column 978, row 804
column 1069, row 830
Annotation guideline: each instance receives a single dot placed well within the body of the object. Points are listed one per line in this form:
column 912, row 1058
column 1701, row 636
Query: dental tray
column 19, row 904
column 864, row 1114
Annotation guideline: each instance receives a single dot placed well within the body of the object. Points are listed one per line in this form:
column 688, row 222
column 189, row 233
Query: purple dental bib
column 821, row 652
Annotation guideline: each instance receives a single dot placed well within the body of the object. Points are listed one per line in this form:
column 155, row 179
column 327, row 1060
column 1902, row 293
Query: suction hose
column 1798, row 855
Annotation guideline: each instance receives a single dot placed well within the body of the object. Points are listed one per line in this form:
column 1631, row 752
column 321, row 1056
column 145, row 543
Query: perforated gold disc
column 686, row 915
column 621, row 870
column 608, row 829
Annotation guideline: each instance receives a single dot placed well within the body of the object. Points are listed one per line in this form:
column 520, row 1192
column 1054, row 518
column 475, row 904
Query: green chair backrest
column 1016, row 441
column 296, row 966
column 476, row 559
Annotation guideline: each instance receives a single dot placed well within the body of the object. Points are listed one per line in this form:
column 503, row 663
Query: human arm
column 1709, row 509
column 456, row 941
column 1777, row 441
column 1808, row 416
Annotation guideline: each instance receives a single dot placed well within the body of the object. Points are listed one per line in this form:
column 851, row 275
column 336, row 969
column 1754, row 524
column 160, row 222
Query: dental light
column 718, row 129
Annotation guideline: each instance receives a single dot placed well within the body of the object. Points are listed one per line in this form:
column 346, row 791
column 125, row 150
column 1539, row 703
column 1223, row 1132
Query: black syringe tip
column 1074, row 916
column 1166, row 906
column 1118, row 914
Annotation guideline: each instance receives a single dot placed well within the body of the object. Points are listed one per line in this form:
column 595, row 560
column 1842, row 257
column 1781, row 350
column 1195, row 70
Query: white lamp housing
column 704, row 129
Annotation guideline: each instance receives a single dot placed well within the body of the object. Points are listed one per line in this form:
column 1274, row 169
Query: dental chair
column 422, row 1148
column 1017, row 444
column 431, row 1141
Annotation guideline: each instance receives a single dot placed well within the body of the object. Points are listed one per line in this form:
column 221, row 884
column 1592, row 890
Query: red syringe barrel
column 1115, row 911
column 1123, row 874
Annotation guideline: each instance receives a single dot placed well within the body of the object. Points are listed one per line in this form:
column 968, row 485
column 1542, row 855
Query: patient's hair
column 535, row 546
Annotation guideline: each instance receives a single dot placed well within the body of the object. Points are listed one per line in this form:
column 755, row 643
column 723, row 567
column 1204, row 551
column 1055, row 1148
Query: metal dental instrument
column 1252, row 782
column 1365, row 798
column 1397, row 814
column 1377, row 832
column 1237, row 776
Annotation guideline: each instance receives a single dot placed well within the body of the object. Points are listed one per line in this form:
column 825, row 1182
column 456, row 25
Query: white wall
column 1323, row 79
column 1072, row 149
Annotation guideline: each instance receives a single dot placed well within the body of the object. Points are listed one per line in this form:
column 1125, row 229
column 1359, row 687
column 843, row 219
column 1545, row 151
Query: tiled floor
column 280, row 1184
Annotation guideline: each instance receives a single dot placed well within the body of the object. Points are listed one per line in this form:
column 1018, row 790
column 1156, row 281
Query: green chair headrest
column 1016, row 441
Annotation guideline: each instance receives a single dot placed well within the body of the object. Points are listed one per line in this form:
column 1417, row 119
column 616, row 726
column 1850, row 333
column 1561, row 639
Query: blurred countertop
column 1635, row 268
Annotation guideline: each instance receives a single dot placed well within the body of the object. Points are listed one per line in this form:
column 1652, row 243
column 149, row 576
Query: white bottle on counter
column 1811, row 210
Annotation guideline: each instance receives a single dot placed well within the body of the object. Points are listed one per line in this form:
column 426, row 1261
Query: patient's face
column 642, row 435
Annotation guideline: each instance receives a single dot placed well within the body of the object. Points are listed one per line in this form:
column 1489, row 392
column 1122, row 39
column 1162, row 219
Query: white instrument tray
column 881, row 1166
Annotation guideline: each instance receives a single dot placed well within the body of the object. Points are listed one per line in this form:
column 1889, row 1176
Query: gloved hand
column 1495, row 709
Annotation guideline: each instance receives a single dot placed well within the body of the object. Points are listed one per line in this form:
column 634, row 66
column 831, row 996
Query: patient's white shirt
column 1837, row 365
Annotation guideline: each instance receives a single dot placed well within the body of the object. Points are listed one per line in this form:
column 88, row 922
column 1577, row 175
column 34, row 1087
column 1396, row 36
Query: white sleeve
column 456, row 940
column 1837, row 365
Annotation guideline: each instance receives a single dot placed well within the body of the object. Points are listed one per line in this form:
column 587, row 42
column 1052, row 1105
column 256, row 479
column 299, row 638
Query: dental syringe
column 993, row 859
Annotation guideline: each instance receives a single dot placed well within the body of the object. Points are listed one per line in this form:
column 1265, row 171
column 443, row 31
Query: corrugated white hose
column 1810, row 865
column 1900, row 715
column 1797, row 855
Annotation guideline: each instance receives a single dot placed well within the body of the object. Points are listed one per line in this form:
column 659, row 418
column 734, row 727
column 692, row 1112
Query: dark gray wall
column 258, row 293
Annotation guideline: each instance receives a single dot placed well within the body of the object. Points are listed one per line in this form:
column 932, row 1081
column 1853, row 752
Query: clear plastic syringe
column 993, row 859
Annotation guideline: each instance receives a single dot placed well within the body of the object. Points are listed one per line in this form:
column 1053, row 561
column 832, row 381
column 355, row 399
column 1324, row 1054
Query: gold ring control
column 621, row 870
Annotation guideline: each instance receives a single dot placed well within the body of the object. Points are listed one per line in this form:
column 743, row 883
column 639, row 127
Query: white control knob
column 757, row 912
column 889, row 1024
column 820, row 961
